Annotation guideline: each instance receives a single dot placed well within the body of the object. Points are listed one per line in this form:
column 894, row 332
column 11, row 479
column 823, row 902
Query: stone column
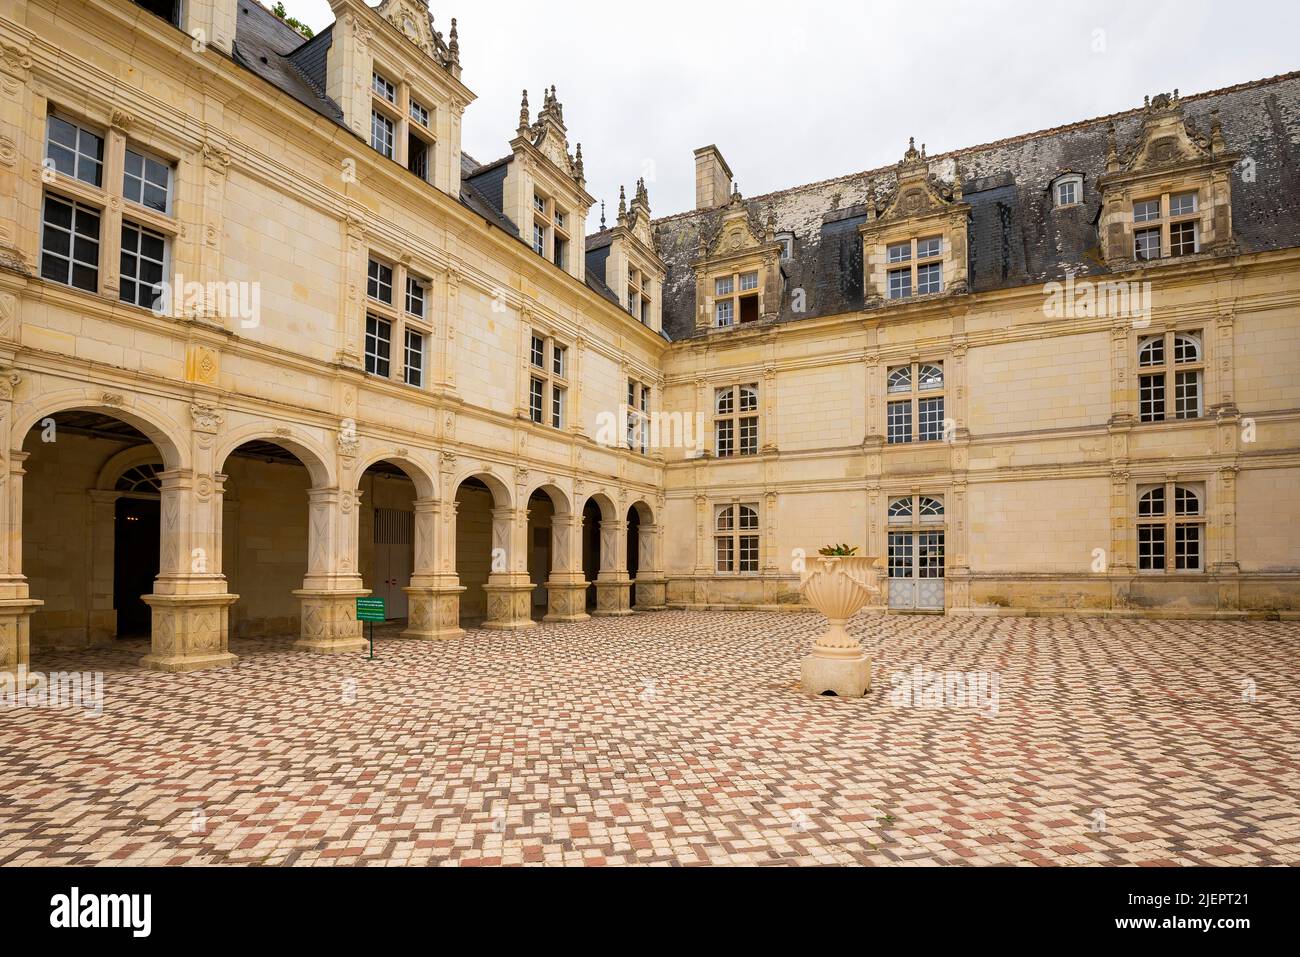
column 330, row 591
column 613, row 586
column 509, row 589
column 434, row 598
column 190, row 600
column 651, row 585
column 566, row 589
column 101, row 619
column 16, row 606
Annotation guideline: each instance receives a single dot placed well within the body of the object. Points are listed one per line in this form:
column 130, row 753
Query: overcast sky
column 797, row 92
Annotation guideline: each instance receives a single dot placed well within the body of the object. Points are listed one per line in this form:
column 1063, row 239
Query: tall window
column 550, row 230
column 401, row 125
column 638, row 295
column 735, row 539
column 1167, row 225
column 915, row 267
column 548, row 386
column 638, row 416
column 735, row 421
column 71, row 227
column 1170, row 371
column 398, row 330
column 1171, row 528
column 914, row 412
column 735, row 298
column 379, row 342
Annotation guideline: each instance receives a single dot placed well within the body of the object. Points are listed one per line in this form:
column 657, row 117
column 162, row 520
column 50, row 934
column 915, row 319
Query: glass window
column 147, row 181
column 537, row 351
column 929, row 247
column 900, row 283
column 929, row 278
column 419, row 114
column 900, row 379
column 724, row 312
column 558, row 355
column 899, row 422
column 414, row 364
column 723, row 287
column 143, row 262
column 1067, row 193
column 381, row 134
column 1183, row 238
column 899, row 252
column 379, row 338
column 539, row 239
column 1182, row 204
column 749, row 280
column 1146, row 210
column 535, row 389
column 383, row 88
column 1146, row 243
column 75, row 151
column 70, row 243
column 379, row 283
column 415, row 297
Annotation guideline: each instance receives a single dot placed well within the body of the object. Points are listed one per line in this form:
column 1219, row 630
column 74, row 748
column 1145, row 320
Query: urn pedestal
column 838, row 587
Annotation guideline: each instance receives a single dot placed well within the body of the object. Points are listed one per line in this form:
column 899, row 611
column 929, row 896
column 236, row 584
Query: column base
column 509, row 607
column 434, row 614
column 15, row 638
column 190, row 633
column 613, row 599
column 843, row 677
column 329, row 622
column 566, row 602
column 651, row 594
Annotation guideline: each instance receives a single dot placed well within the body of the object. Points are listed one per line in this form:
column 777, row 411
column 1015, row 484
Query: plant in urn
column 838, row 584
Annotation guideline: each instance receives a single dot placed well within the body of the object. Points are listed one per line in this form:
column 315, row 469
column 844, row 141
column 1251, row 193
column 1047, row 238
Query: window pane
column 1186, row 501
column 929, row 555
column 724, row 312
column 1182, row 204
column 929, row 247
column 900, row 379
column 1152, row 352
column 414, row 358
column 929, row 278
column 724, row 401
column 1146, row 244
column 748, row 553
column 749, row 280
column 749, row 436
column 1186, row 349
column 378, row 344
column 1151, row 398
column 725, row 554
column 930, row 376
column 930, row 419
column 1187, row 547
column 379, row 284
column 899, row 422
column 748, row 398
column 535, row 400
column 900, row 554
column 722, row 287
column 725, row 519
column 415, row 297
column 1151, row 548
column 141, row 265
column 899, row 252
column 726, row 437
column 1146, row 210
column 900, row 283
column 1187, row 395
column 1183, row 238
column 1151, row 504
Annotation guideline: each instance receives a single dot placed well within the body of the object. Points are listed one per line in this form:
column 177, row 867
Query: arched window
column 900, row 379
column 910, row 415
column 1170, row 542
column 930, row 377
column 735, row 542
column 1161, row 379
column 1067, row 190
column 141, row 479
column 900, row 508
column 930, row 507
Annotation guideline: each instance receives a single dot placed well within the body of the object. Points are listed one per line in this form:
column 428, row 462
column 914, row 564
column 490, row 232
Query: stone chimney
column 712, row 178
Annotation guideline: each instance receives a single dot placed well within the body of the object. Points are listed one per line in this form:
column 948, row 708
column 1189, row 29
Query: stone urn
column 838, row 587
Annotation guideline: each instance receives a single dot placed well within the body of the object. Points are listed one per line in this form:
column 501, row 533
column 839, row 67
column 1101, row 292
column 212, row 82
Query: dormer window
column 419, row 114
column 539, row 204
column 381, row 134
column 923, row 271
column 383, row 88
column 1067, row 190
column 735, row 298
column 1169, row 222
column 787, row 245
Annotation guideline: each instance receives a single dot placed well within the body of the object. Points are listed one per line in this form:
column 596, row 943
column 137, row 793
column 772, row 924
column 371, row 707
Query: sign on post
column 371, row 610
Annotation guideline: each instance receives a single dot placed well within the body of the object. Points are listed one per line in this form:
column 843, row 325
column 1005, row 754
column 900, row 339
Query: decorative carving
column 205, row 417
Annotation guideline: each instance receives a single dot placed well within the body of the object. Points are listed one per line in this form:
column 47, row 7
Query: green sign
column 370, row 609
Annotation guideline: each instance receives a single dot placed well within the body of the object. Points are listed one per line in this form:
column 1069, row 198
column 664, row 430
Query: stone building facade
column 272, row 342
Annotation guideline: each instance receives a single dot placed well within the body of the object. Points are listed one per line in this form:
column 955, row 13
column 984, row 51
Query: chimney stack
column 712, row 178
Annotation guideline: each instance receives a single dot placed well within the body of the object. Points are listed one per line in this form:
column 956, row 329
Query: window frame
column 736, row 539
column 902, row 271
column 728, row 300
column 548, row 365
column 1153, row 214
column 916, row 400
column 1167, row 376
column 1170, row 522
column 740, row 422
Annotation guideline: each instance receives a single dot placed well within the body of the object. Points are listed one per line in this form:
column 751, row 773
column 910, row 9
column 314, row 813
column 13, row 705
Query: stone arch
column 604, row 501
column 560, row 499
column 502, row 497
column 158, row 427
column 644, row 511
column 317, row 462
column 422, row 476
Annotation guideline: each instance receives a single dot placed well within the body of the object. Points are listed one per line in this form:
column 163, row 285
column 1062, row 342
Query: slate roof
column 1016, row 236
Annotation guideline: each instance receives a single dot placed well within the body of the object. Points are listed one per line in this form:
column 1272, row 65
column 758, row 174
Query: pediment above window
column 917, row 192
column 413, row 20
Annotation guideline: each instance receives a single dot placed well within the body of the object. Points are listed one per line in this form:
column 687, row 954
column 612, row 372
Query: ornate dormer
column 1168, row 194
column 738, row 272
column 915, row 240
column 626, row 259
column 545, row 188
column 397, row 81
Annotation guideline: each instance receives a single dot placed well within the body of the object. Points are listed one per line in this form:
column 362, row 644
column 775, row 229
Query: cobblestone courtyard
column 676, row 738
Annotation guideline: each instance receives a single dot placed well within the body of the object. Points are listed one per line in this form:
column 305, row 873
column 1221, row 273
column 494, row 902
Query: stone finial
column 642, row 196
column 622, row 204
column 577, row 164
column 524, row 121
column 453, row 43
column 602, row 215
column 770, row 230
column 1217, row 142
column 956, row 182
column 1112, row 150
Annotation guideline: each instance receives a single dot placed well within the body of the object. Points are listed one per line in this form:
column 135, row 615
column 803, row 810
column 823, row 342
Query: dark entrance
column 135, row 563
column 591, row 549
column 633, row 550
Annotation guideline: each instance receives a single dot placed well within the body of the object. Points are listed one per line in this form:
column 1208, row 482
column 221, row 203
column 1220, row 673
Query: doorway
column 137, row 524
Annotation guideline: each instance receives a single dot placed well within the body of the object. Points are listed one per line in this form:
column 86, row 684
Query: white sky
column 797, row 92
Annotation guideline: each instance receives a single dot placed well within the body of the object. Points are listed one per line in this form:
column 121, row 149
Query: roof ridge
column 1019, row 137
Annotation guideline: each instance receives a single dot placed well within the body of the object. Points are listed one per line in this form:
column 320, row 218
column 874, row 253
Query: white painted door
column 916, row 570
